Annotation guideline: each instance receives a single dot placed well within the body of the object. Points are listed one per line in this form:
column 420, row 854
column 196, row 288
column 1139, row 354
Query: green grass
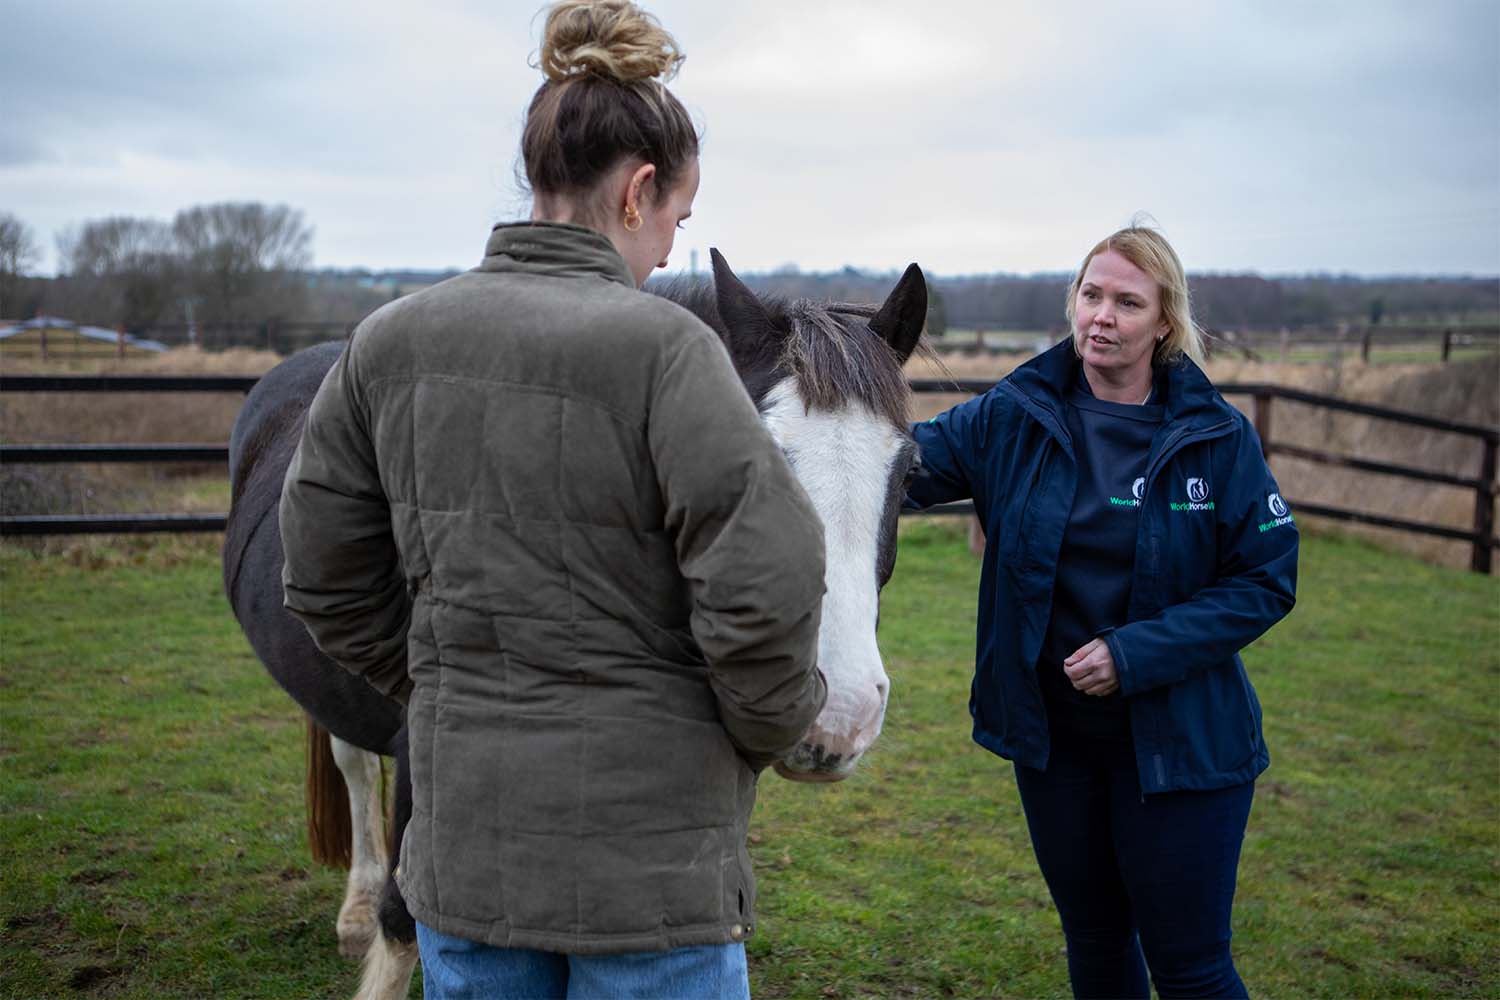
column 151, row 817
column 151, row 787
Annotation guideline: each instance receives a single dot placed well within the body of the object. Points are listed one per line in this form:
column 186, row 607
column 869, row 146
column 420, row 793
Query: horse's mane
column 830, row 349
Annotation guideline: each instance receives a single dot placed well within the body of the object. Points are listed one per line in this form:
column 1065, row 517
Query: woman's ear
column 643, row 178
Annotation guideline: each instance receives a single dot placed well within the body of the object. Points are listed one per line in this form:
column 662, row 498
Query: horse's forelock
column 837, row 360
column 829, row 348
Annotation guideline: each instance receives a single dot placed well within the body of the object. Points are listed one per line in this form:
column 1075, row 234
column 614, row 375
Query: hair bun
column 614, row 39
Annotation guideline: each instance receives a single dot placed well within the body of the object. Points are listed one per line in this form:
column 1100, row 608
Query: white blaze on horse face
column 843, row 460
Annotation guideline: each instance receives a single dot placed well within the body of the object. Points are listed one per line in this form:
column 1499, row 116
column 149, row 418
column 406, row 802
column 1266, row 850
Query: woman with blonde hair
column 537, row 507
column 1136, row 543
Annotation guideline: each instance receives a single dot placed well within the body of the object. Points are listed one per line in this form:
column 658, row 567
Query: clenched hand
column 1091, row 669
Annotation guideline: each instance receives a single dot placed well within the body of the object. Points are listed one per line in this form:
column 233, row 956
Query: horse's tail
column 330, row 832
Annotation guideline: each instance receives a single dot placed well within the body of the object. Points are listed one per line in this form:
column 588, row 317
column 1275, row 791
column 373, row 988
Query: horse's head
column 828, row 383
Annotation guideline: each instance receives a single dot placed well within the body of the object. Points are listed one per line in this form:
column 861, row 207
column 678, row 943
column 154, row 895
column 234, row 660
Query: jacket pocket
column 1212, row 721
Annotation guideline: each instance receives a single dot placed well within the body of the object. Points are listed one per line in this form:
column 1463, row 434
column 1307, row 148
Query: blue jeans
column 1138, row 884
column 457, row 969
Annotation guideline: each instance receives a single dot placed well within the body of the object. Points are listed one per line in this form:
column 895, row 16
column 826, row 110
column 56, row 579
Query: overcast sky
column 1277, row 137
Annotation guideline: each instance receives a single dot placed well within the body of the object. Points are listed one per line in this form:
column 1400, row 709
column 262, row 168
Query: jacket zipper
column 1181, row 440
column 1037, row 410
column 1178, row 441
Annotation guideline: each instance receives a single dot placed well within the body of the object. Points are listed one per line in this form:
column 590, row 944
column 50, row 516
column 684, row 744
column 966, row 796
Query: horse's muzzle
column 811, row 762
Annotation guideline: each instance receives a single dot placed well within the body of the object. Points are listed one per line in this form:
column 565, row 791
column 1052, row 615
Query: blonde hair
column 604, row 99
column 610, row 38
column 1149, row 250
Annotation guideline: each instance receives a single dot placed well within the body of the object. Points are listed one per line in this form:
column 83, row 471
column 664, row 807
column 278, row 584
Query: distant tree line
column 1220, row 301
column 221, row 265
column 19, row 253
column 244, row 264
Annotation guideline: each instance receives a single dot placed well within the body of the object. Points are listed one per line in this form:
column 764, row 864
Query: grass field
column 152, row 819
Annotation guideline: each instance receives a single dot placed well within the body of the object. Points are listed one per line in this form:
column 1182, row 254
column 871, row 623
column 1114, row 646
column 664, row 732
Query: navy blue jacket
column 1215, row 566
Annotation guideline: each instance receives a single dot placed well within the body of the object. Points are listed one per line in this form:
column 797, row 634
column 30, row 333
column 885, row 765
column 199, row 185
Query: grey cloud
column 1316, row 111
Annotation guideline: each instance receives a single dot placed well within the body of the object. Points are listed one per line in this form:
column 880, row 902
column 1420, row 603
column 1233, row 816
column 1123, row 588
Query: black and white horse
column 827, row 381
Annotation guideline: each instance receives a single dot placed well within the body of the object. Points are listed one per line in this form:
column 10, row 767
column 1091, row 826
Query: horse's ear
column 904, row 313
column 749, row 331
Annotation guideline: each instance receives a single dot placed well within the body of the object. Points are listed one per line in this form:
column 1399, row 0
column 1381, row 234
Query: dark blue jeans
column 1138, row 884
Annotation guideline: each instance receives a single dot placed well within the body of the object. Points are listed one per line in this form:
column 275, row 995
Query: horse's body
column 827, row 381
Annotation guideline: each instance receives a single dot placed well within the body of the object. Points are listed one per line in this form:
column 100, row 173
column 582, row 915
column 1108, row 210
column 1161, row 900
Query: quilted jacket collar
column 555, row 249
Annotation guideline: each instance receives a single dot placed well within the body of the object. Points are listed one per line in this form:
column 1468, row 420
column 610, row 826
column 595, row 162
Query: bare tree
column 244, row 260
column 18, row 254
column 120, row 271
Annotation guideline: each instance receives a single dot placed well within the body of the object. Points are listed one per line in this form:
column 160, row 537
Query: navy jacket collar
column 1188, row 395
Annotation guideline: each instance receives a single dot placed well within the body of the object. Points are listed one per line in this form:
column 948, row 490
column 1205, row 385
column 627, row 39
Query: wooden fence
column 1481, row 538
column 1307, row 344
column 1411, row 343
column 62, row 342
column 1370, row 343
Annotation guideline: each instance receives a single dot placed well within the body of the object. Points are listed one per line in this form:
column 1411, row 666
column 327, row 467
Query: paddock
column 152, row 803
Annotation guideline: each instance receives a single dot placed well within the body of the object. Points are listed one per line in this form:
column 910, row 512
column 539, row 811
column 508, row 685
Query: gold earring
column 632, row 219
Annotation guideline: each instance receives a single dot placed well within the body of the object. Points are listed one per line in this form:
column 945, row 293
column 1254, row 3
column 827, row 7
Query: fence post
column 43, row 332
column 1262, row 418
column 1364, row 344
column 120, row 341
column 1447, row 344
column 1484, row 510
column 1286, row 345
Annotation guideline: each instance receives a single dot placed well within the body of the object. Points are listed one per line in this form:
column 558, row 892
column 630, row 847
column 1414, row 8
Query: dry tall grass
column 121, row 418
column 137, row 417
column 1465, row 392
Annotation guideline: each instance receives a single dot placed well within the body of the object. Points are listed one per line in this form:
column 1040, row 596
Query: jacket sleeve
column 1256, row 585
column 342, row 576
column 950, row 445
column 750, row 545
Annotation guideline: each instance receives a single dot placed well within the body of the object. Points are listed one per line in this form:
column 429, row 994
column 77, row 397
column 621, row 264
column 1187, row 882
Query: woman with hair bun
column 1136, row 542
column 537, row 506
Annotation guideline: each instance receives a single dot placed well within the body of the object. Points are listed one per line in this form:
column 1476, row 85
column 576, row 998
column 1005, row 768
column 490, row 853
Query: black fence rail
column 1481, row 538
column 127, row 383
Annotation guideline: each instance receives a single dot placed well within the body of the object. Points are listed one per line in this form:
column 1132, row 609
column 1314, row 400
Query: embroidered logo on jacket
column 1280, row 512
column 1197, row 496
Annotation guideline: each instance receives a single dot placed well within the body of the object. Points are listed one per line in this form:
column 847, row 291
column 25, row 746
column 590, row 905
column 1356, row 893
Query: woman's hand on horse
column 1091, row 669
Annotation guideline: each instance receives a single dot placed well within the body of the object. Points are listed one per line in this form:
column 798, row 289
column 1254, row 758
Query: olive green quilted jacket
column 537, row 505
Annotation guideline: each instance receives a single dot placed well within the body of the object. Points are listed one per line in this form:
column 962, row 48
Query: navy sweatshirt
column 1111, row 442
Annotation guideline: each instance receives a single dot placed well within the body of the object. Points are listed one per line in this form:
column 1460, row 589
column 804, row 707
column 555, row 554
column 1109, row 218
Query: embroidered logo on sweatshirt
column 1137, row 493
